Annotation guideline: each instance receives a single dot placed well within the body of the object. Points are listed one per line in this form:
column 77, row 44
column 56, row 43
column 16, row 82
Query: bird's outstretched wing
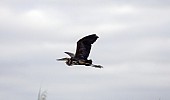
column 84, row 46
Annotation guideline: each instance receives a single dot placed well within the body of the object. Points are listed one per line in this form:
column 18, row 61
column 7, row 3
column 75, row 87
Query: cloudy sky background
column 134, row 48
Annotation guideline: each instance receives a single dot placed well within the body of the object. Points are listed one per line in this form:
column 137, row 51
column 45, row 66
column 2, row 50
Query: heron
column 82, row 52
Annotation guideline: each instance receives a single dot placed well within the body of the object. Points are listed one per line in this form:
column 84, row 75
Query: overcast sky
column 133, row 46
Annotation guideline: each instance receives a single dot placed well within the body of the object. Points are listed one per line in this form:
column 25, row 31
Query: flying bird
column 82, row 52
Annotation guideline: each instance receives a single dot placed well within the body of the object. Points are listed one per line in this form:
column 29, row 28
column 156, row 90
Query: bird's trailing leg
column 96, row 66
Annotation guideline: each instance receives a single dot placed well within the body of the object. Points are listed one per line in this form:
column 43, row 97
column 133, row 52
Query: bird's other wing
column 84, row 46
column 70, row 54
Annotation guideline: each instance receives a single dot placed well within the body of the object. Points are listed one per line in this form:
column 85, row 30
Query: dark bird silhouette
column 82, row 52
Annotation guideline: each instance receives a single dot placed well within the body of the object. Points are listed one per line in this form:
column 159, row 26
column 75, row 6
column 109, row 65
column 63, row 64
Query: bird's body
column 82, row 52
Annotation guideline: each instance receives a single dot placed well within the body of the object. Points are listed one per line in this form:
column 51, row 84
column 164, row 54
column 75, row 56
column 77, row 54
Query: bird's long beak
column 62, row 59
